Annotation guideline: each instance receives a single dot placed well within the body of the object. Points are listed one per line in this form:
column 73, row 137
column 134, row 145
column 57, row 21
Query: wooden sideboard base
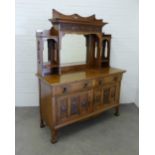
column 74, row 97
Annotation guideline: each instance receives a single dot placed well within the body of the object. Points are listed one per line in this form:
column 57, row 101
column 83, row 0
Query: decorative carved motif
column 113, row 93
column 63, row 108
column 74, row 105
column 97, row 96
column 109, row 95
column 79, row 28
column 58, row 15
column 106, row 96
column 97, row 99
column 84, row 102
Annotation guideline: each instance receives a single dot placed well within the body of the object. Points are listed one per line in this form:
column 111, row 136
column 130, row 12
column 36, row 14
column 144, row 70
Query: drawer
column 72, row 87
column 106, row 80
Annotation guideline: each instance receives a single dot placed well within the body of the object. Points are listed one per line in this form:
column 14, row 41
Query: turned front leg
column 117, row 111
column 42, row 124
column 54, row 135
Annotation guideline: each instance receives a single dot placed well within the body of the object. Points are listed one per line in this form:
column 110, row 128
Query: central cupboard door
column 105, row 96
column 71, row 106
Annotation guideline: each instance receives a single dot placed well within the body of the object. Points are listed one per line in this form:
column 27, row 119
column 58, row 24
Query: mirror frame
column 62, row 24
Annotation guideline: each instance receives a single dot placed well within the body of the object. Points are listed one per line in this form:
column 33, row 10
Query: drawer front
column 107, row 80
column 73, row 106
column 73, row 87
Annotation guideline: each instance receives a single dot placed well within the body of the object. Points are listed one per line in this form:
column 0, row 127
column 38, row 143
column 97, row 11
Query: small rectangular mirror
column 73, row 50
column 45, row 50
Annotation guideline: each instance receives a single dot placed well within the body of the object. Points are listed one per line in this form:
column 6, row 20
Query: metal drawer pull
column 101, row 82
column 64, row 90
column 85, row 85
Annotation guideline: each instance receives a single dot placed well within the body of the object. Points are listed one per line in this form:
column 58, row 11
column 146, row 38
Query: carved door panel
column 62, row 109
column 85, row 102
column 80, row 103
column 73, row 105
column 97, row 98
column 109, row 95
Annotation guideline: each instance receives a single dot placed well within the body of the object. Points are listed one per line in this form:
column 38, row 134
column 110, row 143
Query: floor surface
column 103, row 135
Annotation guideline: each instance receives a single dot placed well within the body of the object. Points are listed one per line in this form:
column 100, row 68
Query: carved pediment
column 59, row 17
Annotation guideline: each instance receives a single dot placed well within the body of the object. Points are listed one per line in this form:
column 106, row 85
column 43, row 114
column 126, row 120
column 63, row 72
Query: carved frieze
column 80, row 28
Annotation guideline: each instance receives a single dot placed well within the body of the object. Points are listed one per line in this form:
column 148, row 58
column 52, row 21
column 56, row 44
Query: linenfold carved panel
column 74, row 105
column 84, row 103
column 106, row 96
column 62, row 104
column 97, row 98
column 109, row 95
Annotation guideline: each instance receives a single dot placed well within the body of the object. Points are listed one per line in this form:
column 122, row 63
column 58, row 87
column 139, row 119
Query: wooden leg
column 116, row 111
column 42, row 125
column 54, row 134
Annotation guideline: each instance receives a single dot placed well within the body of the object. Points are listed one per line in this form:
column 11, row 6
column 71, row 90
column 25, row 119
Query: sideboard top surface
column 80, row 75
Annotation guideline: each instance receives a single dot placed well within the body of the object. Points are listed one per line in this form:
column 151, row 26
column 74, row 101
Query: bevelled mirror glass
column 73, row 50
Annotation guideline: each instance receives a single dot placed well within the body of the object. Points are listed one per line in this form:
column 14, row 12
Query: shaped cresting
column 49, row 43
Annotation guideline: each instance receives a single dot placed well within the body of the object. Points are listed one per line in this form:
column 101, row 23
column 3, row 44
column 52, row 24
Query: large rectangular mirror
column 73, row 50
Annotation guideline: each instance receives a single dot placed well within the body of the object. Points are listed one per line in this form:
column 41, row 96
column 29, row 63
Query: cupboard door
column 73, row 105
column 109, row 95
column 62, row 109
column 85, row 102
column 80, row 103
column 97, row 98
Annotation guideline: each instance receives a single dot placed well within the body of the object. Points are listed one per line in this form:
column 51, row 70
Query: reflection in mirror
column 106, row 49
column 73, row 50
column 96, row 50
column 45, row 51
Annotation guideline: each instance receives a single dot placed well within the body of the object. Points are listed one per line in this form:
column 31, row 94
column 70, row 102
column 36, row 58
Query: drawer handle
column 64, row 90
column 101, row 82
column 85, row 85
